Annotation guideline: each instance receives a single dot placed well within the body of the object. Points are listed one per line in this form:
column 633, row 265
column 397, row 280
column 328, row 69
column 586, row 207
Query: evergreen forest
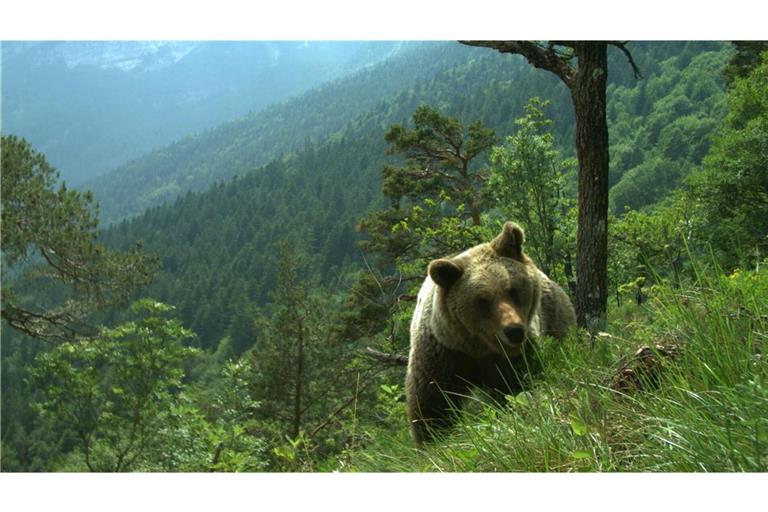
column 240, row 300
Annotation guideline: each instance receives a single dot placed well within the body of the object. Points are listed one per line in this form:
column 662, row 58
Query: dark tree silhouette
column 586, row 79
column 50, row 241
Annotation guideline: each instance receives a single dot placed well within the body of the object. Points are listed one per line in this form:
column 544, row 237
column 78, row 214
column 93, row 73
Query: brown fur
column 476, row 315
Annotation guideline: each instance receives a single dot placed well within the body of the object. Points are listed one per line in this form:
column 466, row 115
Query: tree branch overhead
column 546, row 58
column 621, row 45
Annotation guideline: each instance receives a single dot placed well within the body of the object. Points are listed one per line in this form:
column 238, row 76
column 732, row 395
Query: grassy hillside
column 676, row 386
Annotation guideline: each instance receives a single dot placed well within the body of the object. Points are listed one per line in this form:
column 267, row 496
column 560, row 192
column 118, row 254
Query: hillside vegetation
column 279, row 272
column 239, row 146
column 91, row 106
column 217, row 246
column 438, row 74
column 675, row 386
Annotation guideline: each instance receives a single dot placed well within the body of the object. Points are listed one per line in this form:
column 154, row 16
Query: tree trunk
column 469, row 190
column 588, row 94
column 297, row 390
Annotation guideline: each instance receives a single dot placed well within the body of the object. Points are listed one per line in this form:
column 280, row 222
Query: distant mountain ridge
column 124, row 55
column 92, row 106
column 236, row 147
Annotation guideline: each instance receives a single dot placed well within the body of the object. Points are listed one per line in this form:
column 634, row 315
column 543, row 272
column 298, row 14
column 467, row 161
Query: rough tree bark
column 587, row 82
column 588, row 95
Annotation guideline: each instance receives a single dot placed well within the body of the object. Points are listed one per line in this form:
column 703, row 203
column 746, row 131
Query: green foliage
column 731, row 190
column 385, row 433
column 700, row 403
column 720, row 212
column 529, row 184
column 114, row 390
column 213, row 428
column 649, row 245
column 50, row 242
column 646, row 183
column 334, row 110
column 435, row 200
column 298, row 370
column 441, row 178
column 711, row 414
column 217, row 248
column 704, row 408
column 747, row 56
column 660, row 128
column 435, row 204
column 254, row 303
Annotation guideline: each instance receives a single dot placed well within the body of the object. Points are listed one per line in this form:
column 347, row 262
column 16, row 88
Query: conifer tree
column 298, row 368
column 436, row 197
column 50, row 240
column 441, row 180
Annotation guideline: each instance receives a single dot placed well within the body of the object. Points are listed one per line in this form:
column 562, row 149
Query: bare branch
column 621, row 45
column 56, row 325
column 538, row 56
column 392, row 359
column 352, row 400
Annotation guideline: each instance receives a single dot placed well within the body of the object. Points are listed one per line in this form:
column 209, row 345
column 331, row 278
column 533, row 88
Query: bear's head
column 489, row 296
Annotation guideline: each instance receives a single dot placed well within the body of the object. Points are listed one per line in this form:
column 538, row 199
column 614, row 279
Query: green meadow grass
column 696, row 402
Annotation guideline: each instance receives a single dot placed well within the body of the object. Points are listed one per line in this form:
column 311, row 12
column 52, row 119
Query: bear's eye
column 483, row 304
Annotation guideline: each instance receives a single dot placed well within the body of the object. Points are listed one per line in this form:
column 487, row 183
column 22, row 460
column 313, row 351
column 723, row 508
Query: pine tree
column 299, row 370
column 50, row 240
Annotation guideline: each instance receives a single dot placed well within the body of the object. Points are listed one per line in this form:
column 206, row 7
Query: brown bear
column 476, row 317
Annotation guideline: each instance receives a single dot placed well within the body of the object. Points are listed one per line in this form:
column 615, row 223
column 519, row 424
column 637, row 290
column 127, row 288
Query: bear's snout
column 515, row 334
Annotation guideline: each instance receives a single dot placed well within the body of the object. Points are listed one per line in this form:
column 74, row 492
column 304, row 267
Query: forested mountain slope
column 217, row 246
column 236, row 147
column 280, row 384
column 660, row 129
column 90, row 106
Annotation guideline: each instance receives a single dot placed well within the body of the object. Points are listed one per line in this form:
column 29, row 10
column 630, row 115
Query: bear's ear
column 445, row 272
column 510, row 242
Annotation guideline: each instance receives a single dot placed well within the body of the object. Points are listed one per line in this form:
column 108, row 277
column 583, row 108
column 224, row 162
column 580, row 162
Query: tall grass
column 701, row 405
